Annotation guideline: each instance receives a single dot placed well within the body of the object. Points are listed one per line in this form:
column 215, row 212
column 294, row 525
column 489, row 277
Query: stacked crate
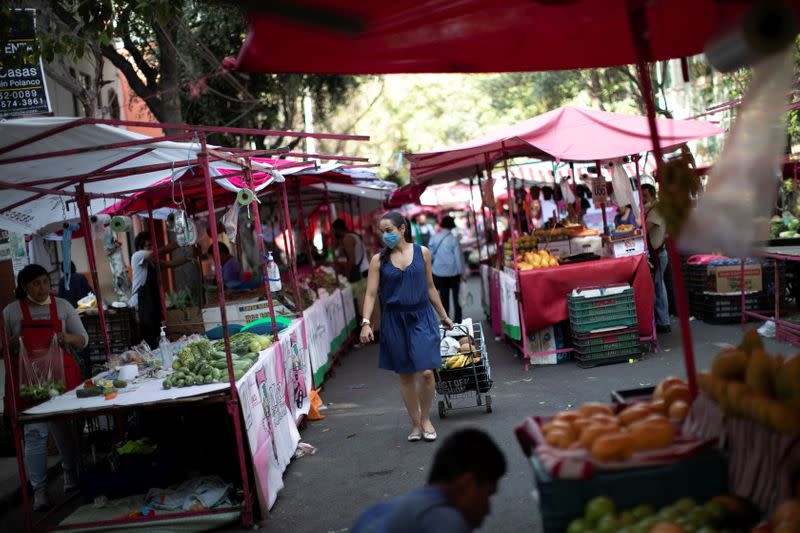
column 121, row 327
column 713, row 307
column 604, row 325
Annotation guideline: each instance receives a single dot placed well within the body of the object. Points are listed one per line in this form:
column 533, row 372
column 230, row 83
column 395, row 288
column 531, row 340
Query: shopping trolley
column 466, row 372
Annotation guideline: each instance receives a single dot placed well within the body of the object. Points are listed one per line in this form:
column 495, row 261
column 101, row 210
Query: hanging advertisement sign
column 23, row 88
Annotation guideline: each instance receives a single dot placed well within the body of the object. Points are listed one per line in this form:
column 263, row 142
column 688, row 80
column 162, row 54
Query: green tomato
column 716, row 512
column 607, row 524
column 642, row 511
column 597, row 508
column 684, row 504
column 626, row 518
column 577, row 526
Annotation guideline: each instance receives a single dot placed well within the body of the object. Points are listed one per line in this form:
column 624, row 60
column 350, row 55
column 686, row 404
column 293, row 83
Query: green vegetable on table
column 204, row 363
column 41, row 391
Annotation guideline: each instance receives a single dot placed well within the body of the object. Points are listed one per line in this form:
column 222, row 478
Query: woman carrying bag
column 409, row 343
column 34, row 319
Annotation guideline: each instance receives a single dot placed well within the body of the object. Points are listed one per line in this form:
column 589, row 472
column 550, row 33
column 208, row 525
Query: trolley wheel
column 488, row 403
column 442, row 410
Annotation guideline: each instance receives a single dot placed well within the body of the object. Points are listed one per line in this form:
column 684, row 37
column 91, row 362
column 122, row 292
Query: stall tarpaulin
column 509, row 306
column 544, row 291
column 349, row 308
column 297, row 368
column 564, row 134
column 318, row 336
column 271, row 430
column 335, row 317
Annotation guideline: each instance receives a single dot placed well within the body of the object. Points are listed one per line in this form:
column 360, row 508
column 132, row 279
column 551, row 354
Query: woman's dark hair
column 397, row 220
column 467, row 451
column 143, row 237
column 535, row 190
column 448, row 222
column 25, row 276
column 339, row 225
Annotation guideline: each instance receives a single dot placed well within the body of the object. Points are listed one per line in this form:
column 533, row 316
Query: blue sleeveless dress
column 409, row 329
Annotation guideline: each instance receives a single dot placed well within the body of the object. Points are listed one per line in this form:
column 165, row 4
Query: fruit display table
column 544, row 291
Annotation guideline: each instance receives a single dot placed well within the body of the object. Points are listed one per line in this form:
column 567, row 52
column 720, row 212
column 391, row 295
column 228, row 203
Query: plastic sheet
column 736, row 207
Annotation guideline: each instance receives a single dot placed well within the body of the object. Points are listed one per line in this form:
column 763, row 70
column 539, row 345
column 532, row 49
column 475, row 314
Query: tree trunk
column 168, row 109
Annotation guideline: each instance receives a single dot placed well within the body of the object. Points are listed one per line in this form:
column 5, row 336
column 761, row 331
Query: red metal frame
column 637, row 18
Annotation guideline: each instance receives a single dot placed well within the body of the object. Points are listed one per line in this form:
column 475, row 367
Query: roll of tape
column 120, row 224
column 245, row 197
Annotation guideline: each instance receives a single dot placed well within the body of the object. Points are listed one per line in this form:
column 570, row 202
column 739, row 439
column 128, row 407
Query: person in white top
column 145, row 295
column 355, row 253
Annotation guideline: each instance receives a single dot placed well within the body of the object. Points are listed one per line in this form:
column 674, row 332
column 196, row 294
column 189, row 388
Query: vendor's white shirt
column 139, row 268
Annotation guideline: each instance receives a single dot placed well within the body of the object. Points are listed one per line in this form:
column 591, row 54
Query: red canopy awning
column 564, row 134
column 401, row 36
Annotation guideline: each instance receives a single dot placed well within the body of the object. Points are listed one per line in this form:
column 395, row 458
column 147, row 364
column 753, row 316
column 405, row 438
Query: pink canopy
column 564, row 134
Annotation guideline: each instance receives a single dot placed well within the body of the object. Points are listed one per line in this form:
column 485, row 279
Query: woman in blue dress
column 409, row 340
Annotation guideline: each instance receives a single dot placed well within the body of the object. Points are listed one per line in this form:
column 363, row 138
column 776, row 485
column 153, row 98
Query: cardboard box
column 542, row 341
column 560, row 248
column 626, row 247
column 185, row 321
column 592, row 244
column 728, row 278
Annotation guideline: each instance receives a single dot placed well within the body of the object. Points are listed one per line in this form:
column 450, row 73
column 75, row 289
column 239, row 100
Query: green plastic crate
column 608, row 357
column 610, row 348
column 610, row 340
column 561, row 500
column 626, row 317
column 589, row 313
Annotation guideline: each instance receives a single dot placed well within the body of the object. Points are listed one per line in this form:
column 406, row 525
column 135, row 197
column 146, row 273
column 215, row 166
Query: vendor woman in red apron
column 35, row 317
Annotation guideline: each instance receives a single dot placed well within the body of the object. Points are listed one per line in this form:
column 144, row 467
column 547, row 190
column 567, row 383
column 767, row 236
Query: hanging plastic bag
column 566, row 191
column 184, row 228
column 464, row 296
column 230, row 220
column 736, row 207
column 41, row 372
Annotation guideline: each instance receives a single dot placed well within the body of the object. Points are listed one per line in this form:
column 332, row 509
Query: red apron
column 37, row 335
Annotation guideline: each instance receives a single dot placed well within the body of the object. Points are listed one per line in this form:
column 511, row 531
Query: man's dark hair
column 448, row 222
column 650, row 188
column 467, row 451
column 223, row 249
column 143, row 237
column 339, row 225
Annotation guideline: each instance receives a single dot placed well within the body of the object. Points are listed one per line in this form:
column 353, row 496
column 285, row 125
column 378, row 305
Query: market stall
column 537, row 285
column 609, row 480
column 271, row 370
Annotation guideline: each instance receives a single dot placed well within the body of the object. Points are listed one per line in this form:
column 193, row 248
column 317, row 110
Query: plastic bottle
column 165, row 349
column 273, row 274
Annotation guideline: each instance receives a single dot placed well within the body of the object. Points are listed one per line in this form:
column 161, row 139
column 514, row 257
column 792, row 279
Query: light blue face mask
column 391, row 239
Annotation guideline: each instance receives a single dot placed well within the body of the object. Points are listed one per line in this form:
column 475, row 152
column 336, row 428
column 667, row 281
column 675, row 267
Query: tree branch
column 124, row 66
column 147, row 70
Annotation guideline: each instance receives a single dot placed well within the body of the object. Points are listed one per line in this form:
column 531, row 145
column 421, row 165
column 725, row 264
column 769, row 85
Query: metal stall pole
column 643, row 227
column 521, row 310
column 331, row 240
column 16, row 430
column 477, row 233
column 498, row 247
column 301, row 218
column 248, row 179
column 639, row 29
column 233, row 403
column 83, row 209
column 289, row 230
column 605, row 196
column 152, row 227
